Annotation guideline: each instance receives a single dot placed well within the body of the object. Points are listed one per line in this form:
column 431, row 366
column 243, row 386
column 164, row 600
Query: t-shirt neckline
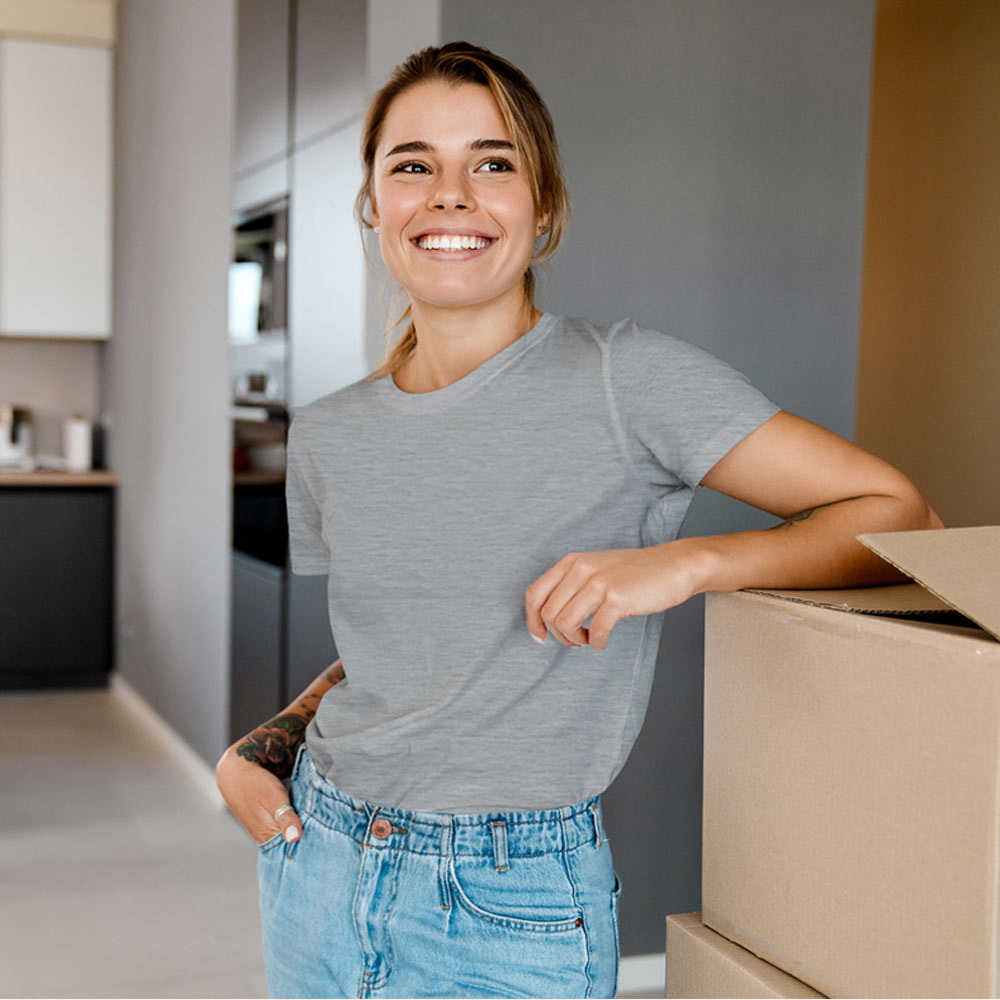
column 449, row 394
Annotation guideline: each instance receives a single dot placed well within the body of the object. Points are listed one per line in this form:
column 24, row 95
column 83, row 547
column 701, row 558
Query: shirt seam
column 609, row 394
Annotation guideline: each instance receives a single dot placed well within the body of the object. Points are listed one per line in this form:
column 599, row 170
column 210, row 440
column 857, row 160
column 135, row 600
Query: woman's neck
column 451, row 343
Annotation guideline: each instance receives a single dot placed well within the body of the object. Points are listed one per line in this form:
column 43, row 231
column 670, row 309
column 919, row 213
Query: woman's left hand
column 827, row 490
column 609, row 585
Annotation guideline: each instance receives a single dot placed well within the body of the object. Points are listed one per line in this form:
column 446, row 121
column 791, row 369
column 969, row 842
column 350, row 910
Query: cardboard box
column 852, row 775
column 701, row 963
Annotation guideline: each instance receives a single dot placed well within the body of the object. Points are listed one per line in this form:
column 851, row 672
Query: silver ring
column 282, row 809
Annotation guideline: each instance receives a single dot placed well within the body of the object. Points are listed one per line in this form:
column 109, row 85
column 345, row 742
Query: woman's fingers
column 281, row 819
column 536, row 595
column 569, row 606
column 565, row 596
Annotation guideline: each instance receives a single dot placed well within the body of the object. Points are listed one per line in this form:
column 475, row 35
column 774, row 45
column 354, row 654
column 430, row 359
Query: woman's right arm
column 249, row 773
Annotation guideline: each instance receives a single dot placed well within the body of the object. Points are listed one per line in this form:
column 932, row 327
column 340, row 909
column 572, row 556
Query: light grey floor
column 118, row 877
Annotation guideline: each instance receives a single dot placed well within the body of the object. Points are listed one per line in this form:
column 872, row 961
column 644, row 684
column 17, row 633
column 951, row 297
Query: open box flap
column 959, row 565
column 898, row 600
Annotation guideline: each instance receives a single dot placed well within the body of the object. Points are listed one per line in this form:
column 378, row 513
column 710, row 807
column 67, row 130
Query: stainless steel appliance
column 258, row 350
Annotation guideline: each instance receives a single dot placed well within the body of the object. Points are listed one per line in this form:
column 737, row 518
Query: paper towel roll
column 76, row 444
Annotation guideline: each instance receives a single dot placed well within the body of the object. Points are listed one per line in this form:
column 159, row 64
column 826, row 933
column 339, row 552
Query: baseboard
column 181, row 752
column 643, row 975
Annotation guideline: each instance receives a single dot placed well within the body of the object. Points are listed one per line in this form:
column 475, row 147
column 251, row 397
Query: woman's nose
column 452, row 192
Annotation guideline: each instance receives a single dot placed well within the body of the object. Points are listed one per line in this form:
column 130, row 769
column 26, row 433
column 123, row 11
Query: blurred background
column 808, row 190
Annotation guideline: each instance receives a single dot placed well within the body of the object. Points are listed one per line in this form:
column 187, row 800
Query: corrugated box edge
column 750, row 976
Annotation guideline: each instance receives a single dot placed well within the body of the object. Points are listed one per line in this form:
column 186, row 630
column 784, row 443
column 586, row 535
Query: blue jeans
column 380, row 902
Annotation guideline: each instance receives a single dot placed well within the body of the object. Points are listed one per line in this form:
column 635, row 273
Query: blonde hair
column 530, row 126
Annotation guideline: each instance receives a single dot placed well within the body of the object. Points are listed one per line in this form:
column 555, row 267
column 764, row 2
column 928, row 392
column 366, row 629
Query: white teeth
column 438, row 241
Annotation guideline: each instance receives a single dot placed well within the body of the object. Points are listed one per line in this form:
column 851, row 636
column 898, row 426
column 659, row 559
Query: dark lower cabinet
column 56, row 586
column 257, row 646
column 281, row 639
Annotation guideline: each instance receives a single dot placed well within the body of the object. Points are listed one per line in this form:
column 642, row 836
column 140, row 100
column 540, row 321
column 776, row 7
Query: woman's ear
column 544, row 223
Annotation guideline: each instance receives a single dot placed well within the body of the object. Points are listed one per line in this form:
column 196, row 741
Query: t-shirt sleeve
column 307, row 548
column 678, row 404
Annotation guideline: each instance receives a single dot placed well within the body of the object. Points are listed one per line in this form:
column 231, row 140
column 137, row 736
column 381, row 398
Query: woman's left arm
column 827, row 491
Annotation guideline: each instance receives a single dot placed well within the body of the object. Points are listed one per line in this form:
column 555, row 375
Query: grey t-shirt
column 433, row 512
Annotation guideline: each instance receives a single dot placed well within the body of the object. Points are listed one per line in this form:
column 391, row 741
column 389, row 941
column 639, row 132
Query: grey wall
column 715, row 151
column 166, row 369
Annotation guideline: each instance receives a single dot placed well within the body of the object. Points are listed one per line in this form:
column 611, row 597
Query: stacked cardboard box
column 852, row 775
column 701, row 963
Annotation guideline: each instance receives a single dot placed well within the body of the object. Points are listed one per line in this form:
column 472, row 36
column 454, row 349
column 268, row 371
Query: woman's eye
column 410, row 168
column 496, row 166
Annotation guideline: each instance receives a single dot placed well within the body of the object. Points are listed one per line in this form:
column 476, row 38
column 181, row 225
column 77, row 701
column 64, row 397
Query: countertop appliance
column 15, row 437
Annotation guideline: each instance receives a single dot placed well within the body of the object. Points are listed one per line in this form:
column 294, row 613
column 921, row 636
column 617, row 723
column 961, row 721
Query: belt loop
column 597, row 826
column 446, row 837
column 444, row 889
column 302, row 781
column 298, row 760
column 499, row 828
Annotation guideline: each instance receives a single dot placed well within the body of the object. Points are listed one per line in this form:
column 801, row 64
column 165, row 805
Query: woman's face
column 453, row 204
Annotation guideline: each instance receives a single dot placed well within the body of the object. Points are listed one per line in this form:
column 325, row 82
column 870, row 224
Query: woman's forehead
column 441, row 113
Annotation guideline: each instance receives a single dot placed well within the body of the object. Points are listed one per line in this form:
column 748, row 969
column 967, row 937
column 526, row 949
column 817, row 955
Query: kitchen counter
column 47, row 478
column 259, row 477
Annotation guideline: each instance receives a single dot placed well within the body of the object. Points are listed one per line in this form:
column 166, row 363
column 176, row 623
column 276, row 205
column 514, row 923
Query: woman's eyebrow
column 419, row 146
column 416, row 146
column 491, row 144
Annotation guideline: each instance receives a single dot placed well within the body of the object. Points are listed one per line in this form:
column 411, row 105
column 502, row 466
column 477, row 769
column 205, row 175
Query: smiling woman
column 497, row 510
column 498, row 111
column 457, row 221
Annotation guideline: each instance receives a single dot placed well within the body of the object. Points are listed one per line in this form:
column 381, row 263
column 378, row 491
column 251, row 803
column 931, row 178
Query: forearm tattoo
column 275, row 744
column 805, row 515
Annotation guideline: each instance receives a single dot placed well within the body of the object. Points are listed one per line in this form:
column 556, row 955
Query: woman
column 497, row 510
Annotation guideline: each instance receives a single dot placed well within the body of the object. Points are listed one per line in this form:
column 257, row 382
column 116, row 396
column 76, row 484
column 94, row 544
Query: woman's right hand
column 253, row 794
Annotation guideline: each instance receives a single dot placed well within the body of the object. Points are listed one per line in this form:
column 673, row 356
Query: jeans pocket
column 533, row 895
column 297, row 801
column 616, row 894
column 270, row 843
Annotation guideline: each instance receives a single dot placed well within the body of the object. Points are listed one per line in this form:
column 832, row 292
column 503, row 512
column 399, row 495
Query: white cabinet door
column 55, row 190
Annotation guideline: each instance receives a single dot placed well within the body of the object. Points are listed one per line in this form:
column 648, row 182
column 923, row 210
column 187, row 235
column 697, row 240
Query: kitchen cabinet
column 55, row 189
column 258, row 599
column 262, row 97
column 280, row 640
column 309, row 642
column 56, row 583
column 330, row 46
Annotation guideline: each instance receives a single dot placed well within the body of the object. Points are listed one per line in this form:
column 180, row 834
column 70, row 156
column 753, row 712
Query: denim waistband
column 497, row 834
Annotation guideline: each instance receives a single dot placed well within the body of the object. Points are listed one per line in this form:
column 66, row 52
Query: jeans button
column 381, row 828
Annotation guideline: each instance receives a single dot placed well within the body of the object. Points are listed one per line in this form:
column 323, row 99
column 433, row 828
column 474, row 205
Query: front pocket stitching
column 515, row 923
column 270, row 843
